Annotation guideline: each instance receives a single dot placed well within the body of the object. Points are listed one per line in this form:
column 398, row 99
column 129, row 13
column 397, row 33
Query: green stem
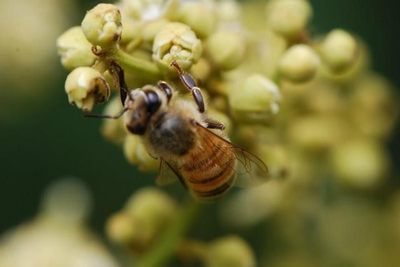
column 168, row 243
column 135, row 65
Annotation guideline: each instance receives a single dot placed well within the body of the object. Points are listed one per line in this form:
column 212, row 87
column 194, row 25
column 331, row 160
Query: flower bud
column 136, row 153
column 176, row 41
column 258, row 95
column 152, row 210
column 360, row 163
column 200, row 16
column 114, row 130
column 226, row 49
column 74, row 49
column 299, row 64
column 86, row 87
column 228, row 10
column 120, row 228
column 229, row 251
column 339, row 50
column 102, row 26
column 289, row 18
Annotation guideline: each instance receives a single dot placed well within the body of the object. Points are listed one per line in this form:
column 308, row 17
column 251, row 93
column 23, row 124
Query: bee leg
column 212, row 124
column 166, row 88
column 102, row 116
column 189, row 82
column 119, row 74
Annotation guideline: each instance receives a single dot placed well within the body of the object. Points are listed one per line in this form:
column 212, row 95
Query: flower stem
column 168, row 243
column 136, row 65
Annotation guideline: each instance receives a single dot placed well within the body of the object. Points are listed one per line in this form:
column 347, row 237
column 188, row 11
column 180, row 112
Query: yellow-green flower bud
column 289, row 18
column 201, row 16
column 299, row 64
column 176, row 41
column 339, row 50
column 120, row 228
column 226, row 49
column 86, row 87
column 257, row 95
column 102, row 26
column 229, row 251
column 152, row 210
column 360, row 163
column 74, row 49
column 228, row 10
column 136, row 153
column 114, row 130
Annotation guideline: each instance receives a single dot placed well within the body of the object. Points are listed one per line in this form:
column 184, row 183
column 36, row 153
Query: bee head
column 141, row 104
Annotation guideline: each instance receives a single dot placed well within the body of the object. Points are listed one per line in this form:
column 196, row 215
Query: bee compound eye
column 153, row 101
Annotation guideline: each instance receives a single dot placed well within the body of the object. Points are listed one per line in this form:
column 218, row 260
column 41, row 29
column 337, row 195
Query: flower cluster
column 309, row 106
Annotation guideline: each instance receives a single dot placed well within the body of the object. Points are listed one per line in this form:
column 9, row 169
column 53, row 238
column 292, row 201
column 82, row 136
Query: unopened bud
column 258, row 95
column 229, row 251
column 136, row 153
column 226, row 49
column 299, row 64
column 339, row 50
column 176, row 41
column 74, row 49
column 200, row 16
column 102, row 26
column 120, row 228
column 86, row 87
column 360, row 163
column 289, row 18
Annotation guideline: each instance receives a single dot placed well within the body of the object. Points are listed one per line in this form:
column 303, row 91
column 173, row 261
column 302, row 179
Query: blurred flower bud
column 152, row 210
column 102, row 26
column 258, row 95
column 136, row 153
column 176, row 41
column 339, row 50
column 114, row 130
column 360, row 163
column 289, row 18
column 74, row 49
column 201, row 16
column 228, row 10
column 201, row 70
column 120, row 228
column 85, row 87
column 277, row 158
column 226, row 49
column 299, row 64
column 229, row 251
column 317, row 132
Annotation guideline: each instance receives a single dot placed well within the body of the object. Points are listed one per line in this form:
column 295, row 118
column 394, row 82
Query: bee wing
column 167, row 174
column 250, row 170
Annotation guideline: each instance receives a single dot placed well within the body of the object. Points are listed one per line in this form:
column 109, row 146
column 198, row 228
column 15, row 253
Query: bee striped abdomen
column 210, row 169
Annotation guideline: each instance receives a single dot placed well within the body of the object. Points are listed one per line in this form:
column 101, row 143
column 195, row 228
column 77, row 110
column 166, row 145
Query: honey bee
column 179, row 134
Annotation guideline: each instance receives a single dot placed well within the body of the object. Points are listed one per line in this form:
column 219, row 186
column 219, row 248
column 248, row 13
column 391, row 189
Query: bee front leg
column 189, row 82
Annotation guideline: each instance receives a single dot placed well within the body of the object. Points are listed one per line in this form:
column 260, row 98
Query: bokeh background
column 43, row 138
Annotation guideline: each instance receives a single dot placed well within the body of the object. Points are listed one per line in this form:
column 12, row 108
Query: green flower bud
column 86, row 87
column 120, row 228
column 316, row 132
column 257, row 95
column 229, row 251
column 228, row 10
column 152, row 210
column 136, row 153
column 289, row 18
column 74, row 49
column 201, row 16
column 226, row 49
column 114, row 130
column 360, row 163
column 299, row 64
column 176, row 41
column 339, row 50
column 102, row 26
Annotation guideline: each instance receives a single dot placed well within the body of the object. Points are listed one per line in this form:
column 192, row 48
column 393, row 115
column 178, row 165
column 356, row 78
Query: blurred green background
column 44, row 138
